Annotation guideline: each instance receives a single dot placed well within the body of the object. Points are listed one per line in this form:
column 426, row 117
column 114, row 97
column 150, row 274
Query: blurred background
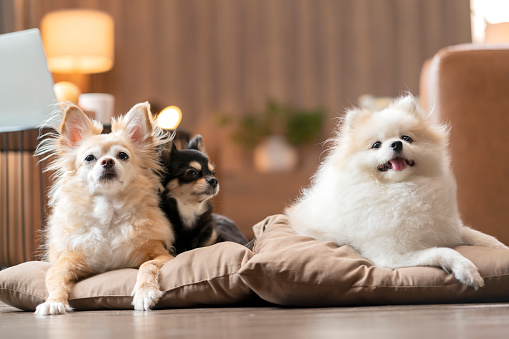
column 262, row 81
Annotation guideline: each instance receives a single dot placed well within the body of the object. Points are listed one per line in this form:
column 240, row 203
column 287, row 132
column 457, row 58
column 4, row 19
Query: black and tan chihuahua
column 189, row 183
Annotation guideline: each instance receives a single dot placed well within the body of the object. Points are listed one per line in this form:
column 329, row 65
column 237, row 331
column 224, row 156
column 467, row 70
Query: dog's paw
column 145, row 297
column 467, row 273
column 52, row 308
column 497, row 244
column 500, row 245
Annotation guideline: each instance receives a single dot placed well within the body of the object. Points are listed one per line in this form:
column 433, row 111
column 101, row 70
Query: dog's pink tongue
column 398, row 164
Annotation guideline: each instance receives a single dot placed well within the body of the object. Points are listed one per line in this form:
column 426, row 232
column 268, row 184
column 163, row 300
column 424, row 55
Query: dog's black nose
column 397, row 146
column 107, row 163
column 212, row 182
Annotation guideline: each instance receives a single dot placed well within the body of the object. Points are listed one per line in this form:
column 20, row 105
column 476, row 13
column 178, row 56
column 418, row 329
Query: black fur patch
column 188, row 238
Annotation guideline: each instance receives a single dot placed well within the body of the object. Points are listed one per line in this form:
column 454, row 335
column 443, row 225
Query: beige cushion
column 205, row 276
column 294, row 270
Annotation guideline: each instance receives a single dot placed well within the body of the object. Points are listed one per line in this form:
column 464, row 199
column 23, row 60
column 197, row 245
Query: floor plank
column 424, row 321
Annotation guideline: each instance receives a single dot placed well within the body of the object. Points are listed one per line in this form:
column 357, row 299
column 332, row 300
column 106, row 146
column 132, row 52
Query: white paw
column 498, row 244
column 145, row 298
column 467, row 273
column 52, row 308
column 490, row 241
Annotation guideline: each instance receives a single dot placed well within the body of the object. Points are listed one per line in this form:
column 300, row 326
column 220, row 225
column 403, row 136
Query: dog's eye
column 191, row 173
column 213, row 173
column 377, row 144
column 407, row 139
column 123, row 156
column 90, row 158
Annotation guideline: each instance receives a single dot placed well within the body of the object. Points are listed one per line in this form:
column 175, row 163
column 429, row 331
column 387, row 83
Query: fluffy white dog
column 387, row 190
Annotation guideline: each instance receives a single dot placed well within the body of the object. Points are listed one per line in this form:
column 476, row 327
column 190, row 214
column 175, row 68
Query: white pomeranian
column 105, row 207
column 387, row 190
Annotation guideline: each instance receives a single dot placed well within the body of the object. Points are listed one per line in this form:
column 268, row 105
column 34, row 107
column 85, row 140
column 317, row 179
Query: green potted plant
column 274, row 133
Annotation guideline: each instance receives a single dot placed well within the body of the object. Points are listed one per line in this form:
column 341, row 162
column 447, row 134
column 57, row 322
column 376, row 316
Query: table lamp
column 77, row 42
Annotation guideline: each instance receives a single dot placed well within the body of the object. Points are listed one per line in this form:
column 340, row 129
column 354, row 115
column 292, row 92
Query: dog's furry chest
column 193, row 225
column 190, row 213
column 107, row 236
column 399, row 217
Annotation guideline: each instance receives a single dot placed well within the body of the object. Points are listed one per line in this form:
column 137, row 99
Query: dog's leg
column 475, row 238
column 146, row 292
column 60, row 279
column 449, row 260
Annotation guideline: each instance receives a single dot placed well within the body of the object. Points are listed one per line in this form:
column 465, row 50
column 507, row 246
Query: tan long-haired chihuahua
column 104, row 201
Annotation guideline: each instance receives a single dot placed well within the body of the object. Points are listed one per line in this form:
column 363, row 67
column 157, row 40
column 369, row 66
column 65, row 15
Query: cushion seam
column 204, row 280
column 366, row 286
column 21, row 292
column 119, row 295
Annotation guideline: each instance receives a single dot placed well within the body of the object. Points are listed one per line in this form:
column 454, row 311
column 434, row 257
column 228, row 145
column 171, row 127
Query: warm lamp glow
column 497, row 33
column 67, row 91
column 169, row 118
column 486, row 13
column 78, row 41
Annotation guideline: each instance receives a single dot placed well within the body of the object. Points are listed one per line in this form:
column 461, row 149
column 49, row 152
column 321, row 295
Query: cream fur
column 97, row 224
column 393, row 218
column 192, row 198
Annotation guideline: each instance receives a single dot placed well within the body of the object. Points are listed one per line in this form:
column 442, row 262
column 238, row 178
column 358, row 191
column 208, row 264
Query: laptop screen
column 26, row 84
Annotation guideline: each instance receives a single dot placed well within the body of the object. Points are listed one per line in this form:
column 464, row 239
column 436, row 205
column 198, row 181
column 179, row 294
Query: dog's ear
column 169, row 148
column 76, row 125
column 353, row 117
column 408, row 103
column 197, row 144
column 137, row 123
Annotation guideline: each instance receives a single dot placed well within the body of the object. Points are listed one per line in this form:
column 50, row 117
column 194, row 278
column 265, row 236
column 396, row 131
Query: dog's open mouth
column 397, row 164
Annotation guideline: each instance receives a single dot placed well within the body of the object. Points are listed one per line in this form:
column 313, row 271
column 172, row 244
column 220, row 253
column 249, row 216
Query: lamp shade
column 497, row 33
column 78, row 41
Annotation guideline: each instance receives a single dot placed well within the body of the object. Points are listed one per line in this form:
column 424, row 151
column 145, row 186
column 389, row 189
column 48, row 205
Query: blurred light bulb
column 169, row 118
column 67, row 91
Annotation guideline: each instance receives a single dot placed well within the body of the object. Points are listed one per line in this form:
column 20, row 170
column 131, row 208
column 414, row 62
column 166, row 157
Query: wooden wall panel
column 232, row 56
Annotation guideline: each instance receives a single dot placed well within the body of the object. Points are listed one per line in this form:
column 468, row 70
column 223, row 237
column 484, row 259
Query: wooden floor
column 428, row 321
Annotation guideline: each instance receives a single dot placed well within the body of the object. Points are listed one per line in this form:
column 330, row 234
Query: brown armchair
column 467, row 86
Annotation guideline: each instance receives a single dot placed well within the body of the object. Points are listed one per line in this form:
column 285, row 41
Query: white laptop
column 26, row 84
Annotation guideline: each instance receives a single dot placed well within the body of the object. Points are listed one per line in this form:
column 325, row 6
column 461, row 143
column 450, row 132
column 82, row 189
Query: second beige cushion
column 294, row 270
